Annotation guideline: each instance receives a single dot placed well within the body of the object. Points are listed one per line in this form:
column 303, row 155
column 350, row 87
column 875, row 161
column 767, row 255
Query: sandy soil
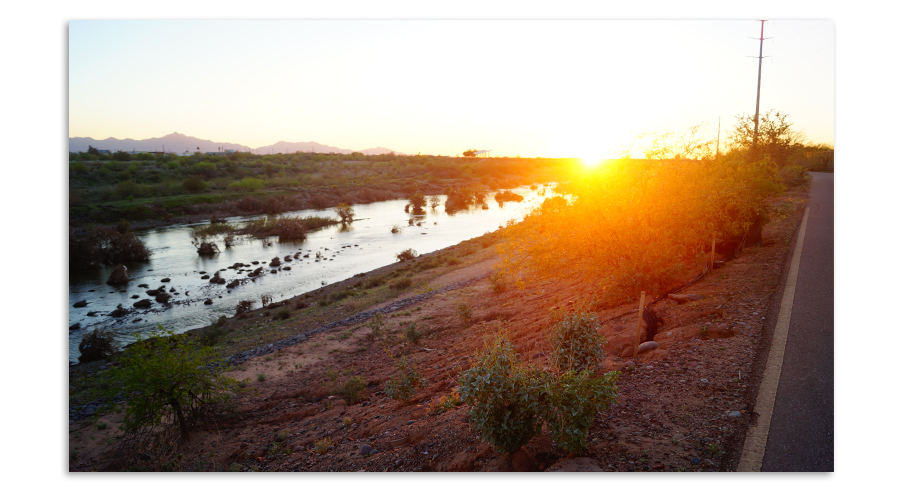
column 671, row 415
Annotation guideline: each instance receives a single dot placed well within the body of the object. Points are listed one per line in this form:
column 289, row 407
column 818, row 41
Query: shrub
column 247, row 184
column 407, row 255
column 260, row 377
column 395, row 229
column 96, row 345
column 350, row 388
column 194, row 184
column 345, row 212
column 323, row 445
column 377, row 325
column 243, row 306
column 105, row 246
column 576, row 345
column 464, row 312
column 504, row 397
column 402, row 283
column 498, row 282
column 282, row 313
column 572, row 401
column 412, row 335
column 169, row 379
column 402, row 386
column 265, row 299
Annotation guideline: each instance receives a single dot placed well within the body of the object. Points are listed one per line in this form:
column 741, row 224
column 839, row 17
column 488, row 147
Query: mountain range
column 180, row 143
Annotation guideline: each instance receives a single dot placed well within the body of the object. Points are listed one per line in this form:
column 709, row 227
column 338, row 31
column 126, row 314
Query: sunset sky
column 577, row 88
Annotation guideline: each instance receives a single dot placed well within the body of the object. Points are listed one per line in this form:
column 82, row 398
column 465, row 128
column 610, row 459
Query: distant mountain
column 180, row 143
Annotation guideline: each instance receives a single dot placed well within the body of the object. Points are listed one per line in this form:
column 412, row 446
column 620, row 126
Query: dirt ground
column 674, row 410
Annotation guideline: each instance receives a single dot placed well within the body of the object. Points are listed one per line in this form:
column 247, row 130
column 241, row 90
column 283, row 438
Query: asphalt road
column 801, row 435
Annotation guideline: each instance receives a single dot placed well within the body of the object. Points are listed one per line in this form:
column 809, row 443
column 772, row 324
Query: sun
column 591, row 160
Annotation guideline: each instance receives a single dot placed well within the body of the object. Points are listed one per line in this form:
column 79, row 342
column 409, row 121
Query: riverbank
column 681, row 407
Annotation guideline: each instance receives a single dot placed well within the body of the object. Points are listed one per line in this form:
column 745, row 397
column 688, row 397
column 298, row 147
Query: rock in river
column 143, row 304
column 80, row 303
column 119, row 276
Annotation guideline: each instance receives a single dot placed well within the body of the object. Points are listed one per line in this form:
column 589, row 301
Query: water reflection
column 326, row 256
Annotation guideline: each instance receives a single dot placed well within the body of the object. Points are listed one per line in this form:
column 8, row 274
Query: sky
column 557, row 88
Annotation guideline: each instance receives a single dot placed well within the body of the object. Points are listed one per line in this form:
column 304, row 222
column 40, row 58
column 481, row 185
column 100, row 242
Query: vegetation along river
column 364, row 245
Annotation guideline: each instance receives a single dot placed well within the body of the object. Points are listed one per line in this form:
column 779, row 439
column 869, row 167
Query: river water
column 365, row 245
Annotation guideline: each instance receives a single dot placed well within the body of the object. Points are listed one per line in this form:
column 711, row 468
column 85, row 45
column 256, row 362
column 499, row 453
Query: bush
column 169, row 380
column 504, row 397
column 412, row 335
column 345, row 212
column 243, row 306
column 282, row 314
column 194, row 184
column 407, row 255
column 572, row 401
column 402, row 386
column 464, row 312
column 350, row 388
column 576, row 345
column 105, row 246
column 247, row 184
column 96, row 345
column 402, row 283
column 377, row 325
column 395, row 229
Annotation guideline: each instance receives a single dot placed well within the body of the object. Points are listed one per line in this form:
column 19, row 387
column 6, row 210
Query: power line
column 810, row 53
column 803, row 32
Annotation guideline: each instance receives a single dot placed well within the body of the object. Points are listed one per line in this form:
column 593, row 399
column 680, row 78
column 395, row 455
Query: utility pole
column 718, row 135
column 762, row 25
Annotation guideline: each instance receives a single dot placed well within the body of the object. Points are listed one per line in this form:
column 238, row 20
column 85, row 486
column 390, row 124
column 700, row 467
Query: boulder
column 75, row 327
column 80, row 303
column 143, row 285
column 208, row 302
column 153, row 293
column 204, row 277
column 143, row 304
column 165, row 280
column 647, row 346
column 233, row 284
column 162, row 297
column 119, row 276
column 217, row 279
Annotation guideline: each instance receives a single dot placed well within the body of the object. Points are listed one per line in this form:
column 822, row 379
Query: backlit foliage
column 635, row 224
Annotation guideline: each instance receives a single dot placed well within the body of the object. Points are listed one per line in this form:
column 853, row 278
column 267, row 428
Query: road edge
column 754, row 447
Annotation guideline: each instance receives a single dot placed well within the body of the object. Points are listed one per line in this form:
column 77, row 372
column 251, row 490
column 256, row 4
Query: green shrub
column 464, row 312
column 412, row 335
column 350, row 388
column 571, row 402
column 194, row 184
column 282, row 313
column 402, row 386
column 504, row 396
column 169, row 379
column 576, row 345
column 247, row 184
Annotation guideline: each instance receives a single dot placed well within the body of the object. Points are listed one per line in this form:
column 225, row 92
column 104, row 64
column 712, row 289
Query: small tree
column 504, row 396
column 469, row 153
column 417, row 202
column 345, row 211
column 169, row 380
column 434, row 202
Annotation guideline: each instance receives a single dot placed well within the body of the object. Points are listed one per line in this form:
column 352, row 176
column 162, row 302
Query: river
column 365, row 245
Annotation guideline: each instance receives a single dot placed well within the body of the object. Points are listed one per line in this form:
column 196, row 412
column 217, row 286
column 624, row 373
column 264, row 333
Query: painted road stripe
column 758, row 435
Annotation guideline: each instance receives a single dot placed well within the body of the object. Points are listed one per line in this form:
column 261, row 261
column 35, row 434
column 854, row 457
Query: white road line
column 758, row 435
